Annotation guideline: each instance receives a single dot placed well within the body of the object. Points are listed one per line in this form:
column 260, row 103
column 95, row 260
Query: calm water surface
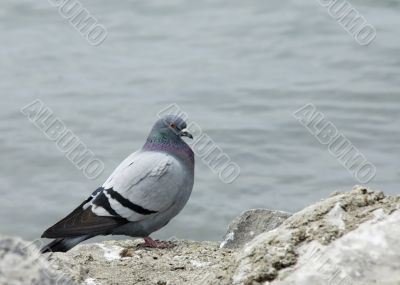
column 238, row 68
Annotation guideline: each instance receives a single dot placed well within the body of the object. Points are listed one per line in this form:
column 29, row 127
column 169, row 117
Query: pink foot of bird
column 150, row 243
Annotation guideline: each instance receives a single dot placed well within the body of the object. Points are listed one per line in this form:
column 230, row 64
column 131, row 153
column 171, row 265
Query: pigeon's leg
column 149, row 242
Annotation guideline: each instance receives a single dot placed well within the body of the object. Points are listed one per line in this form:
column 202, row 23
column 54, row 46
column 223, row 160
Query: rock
column 250, row 224
column 349, row 238
column 368, row 255
column 125, row 262
column 22, row 264
column 272, row 256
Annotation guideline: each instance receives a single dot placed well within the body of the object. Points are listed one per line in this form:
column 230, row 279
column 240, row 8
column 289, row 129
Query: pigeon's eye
column 172, row 125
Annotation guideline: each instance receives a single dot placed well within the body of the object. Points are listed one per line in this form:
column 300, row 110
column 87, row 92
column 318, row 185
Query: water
column 238, row 68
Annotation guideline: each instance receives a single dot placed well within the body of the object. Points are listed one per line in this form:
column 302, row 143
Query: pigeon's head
column 166, row 136
column 171, row 126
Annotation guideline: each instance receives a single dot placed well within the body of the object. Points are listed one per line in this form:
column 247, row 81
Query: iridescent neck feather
column 173, row 145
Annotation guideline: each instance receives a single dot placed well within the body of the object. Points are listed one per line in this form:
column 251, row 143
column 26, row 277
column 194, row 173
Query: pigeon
column 148, row 189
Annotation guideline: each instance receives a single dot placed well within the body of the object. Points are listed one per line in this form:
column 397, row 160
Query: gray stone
column 271, row 256
column 349, row 238
column 250, row 224
column 126, row 262
column 22, row 264
column 368, row 255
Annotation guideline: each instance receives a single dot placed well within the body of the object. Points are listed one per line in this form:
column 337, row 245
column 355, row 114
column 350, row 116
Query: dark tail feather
column 63, row 244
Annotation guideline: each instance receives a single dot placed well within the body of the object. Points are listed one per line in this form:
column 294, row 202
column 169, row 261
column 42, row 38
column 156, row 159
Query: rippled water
column 238, row 68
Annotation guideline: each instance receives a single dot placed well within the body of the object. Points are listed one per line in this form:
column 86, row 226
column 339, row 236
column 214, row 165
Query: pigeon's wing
column 147, row 184
column 83, row 220
column 144, row 184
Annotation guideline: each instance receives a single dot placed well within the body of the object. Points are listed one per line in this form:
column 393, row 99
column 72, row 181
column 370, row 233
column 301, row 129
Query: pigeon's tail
column 63, row 244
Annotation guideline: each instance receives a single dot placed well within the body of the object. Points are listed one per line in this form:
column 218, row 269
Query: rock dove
column 148, row 189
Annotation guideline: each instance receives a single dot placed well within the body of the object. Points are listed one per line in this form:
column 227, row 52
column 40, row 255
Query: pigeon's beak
column 185, row 133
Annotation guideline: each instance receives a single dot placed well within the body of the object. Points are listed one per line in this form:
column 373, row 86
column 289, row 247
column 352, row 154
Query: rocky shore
column 348, row 238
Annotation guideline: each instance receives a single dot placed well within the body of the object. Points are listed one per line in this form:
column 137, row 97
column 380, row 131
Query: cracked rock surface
column 21, row 264
column 274, row 257
column 250, row 224
column 126, row 262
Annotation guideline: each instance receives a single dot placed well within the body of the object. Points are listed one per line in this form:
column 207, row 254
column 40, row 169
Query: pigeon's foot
column 150, row 243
